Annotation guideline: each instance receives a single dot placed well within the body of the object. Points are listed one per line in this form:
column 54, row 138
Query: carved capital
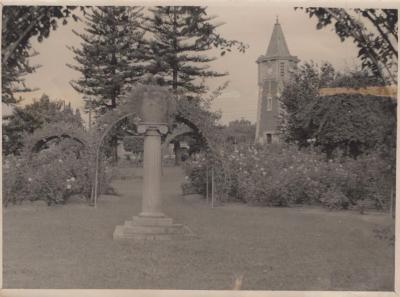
column 146, row 127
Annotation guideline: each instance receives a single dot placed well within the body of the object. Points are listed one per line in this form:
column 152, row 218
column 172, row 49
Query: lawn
column 71, row 246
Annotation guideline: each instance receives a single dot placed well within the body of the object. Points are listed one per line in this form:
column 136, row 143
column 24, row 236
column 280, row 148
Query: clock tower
column 274, row 69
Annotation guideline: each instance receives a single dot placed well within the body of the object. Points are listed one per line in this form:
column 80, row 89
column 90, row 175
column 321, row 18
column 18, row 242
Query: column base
column 151, row 228
column 152, row 214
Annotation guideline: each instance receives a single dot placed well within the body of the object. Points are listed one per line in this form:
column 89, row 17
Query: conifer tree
column 109, row 56
column 109, row 59
column 180, row 38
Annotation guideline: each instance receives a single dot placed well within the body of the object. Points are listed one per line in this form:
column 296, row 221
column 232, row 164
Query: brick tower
column 274, row 69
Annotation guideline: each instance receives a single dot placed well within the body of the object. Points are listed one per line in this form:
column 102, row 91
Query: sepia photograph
column 195, row 146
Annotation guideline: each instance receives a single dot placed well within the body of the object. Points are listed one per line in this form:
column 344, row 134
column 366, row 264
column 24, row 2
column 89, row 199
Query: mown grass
column 71, row 246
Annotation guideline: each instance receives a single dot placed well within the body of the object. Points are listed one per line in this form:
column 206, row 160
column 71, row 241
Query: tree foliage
column 180, row 39
column 133, row 144
column 352, row 123
column 374, row 31
column 27, row 119
column 19, row 25
column 109, row 59
column 109, row 55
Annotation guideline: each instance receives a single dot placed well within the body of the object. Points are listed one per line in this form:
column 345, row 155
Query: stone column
column 151, row 223
column 151, row 201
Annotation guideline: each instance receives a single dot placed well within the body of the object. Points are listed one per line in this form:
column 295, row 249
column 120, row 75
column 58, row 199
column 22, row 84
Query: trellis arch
column 60, row 130
column 189, row 113
column 202, row 122
column 177, row 131
column 102, row 135
column 130, row 106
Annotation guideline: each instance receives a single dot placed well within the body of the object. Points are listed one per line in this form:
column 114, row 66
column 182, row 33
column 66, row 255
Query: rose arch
column 186, row 113
column 35, row 142
column 190, row 116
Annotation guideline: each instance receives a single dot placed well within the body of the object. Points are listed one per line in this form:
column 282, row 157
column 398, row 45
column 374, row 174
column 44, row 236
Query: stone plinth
column 150, row 228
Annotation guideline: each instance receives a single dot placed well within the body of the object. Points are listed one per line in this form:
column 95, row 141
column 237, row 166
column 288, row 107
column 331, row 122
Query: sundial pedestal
column 151, row 223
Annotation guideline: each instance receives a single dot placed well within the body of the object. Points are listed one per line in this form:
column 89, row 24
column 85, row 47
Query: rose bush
column 195, row 180
column 281, row 175
column 52, row 175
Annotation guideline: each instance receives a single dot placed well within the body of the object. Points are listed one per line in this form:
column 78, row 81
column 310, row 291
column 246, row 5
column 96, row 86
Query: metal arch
column 35, row 147
column 173, row 135
column 96, row 179
column 38, row 145
column 184, row 120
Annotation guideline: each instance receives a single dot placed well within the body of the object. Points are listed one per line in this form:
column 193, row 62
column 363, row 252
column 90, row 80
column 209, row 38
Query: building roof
column 277, row 46
column 385, row 91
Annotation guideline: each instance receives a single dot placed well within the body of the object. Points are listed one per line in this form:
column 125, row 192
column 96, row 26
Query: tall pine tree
column 109, row 56
column 180, row 38
column 109, row 59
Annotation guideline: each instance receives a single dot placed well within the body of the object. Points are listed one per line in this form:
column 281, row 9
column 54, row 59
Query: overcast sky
column 251, row 24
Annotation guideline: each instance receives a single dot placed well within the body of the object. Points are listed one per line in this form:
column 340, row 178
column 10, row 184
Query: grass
column 71, row 246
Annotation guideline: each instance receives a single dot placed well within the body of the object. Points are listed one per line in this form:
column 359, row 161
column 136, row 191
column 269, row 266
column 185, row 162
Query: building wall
column 272, row 75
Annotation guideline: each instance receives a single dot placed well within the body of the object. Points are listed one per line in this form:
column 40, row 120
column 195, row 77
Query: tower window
column 269, row 103
column 269, row 138
column 282, row 68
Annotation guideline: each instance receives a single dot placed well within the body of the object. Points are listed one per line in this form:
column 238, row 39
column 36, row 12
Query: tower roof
column 277, row 46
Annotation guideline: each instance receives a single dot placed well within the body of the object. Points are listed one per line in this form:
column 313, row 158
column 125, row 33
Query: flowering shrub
column 281, row 175
column 195, row 180
column 52, row 175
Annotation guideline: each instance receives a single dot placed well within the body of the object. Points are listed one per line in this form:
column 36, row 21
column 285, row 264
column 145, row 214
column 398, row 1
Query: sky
column 251, row 24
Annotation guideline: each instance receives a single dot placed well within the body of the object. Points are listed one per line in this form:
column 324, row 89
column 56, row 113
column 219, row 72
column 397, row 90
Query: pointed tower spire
column 277, row 46
column 274, row 70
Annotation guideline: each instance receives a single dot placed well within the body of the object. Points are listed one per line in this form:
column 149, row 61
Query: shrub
column 333, row 198
column 52, row 175
column 282, row 175
column 195, row 169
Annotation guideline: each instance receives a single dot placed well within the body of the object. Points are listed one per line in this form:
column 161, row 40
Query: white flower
column 68, row 186
column 72, row 179
column 29, row 179
column 60, row 160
